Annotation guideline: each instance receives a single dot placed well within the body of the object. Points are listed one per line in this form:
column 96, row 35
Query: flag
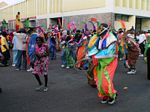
column 123, row 25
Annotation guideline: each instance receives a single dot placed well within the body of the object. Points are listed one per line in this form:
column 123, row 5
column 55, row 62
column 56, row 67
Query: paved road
column 69, row 91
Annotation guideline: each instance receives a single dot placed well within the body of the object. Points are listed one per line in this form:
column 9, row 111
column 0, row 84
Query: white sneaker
column 134, row 71
column 30, row 70
column 111, row 101
column 39, row 88
column 62, row 66
column 131, row 72
column 13, row 65
column 67, row 67
column 103, row 101
column 141, row 55
column 45, row 89
column 121, row 59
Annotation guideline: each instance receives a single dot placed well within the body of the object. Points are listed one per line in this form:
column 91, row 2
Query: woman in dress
column 41, row 63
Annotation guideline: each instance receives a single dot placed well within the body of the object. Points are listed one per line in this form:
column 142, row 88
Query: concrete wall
column 79, row 20
column 133, row 4
column 75, row 5
column 42, row 23
column 132, row 7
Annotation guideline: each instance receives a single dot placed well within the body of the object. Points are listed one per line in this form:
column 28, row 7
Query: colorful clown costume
column 105, row 50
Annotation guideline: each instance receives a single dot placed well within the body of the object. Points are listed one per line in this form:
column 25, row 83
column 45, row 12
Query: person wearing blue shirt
column 31, row 48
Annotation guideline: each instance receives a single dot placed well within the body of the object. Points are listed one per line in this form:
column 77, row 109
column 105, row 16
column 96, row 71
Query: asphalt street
column 69, row 91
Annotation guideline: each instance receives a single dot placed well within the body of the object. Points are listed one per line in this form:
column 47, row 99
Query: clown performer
column 81, row 51
column 105, row 50
column 83, row 61
column 133, row 52
column 66, row 54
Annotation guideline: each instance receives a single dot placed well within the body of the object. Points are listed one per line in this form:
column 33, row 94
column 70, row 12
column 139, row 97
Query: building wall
column 134, row 4
column 80, row 20
column 133, row 7
column 42, row 23
column 31, row 8
column 6, row 14
column 137, row 8
column 45, row 9
column 75, row 5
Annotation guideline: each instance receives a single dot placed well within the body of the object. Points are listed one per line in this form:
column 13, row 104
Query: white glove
column 85, row 37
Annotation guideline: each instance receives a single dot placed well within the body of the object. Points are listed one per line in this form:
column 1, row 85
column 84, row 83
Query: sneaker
column 13, row 65
column 134, row 71
column 131, row 72
column 67, row 67
column 120, row 59
column 104, row 100
column 30, row 69
column 39, row 88
column 111, row 101
column 62, row 66
column 141, row 55
column 45, row 89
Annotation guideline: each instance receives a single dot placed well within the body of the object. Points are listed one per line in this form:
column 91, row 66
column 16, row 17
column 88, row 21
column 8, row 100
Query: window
column 117, row 17
column 125, row 17
column 121, row 17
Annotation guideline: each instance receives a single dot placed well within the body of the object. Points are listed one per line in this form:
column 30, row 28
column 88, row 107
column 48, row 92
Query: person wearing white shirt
column 141, row 40
column 21, row 47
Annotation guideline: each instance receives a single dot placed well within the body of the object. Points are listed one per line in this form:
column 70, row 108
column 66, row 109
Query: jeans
column 52, row 52
column 63, row 57
column 21, row 58
column 15, row 56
